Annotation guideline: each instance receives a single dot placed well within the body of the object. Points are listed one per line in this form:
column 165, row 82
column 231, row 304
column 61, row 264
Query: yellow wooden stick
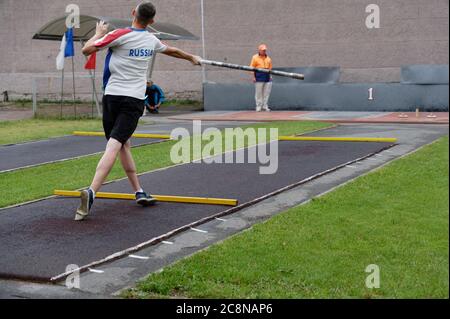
column 338, row 139
column 136, row 135
column 281, row 138
column 160, row 198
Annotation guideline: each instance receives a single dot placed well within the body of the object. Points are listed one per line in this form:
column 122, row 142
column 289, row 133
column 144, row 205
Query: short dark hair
column 145, row 12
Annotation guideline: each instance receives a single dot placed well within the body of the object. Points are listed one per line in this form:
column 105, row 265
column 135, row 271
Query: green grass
column 177, row 102
column 24, row 103
column 37, row 182
column 38, row 129
column 395, row 217
column 181, row 105
column 29, row 102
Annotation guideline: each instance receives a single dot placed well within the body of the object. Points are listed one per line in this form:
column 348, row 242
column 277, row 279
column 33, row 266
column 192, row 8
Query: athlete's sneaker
column 267, row 109
column 87, row 199
column 143, row 199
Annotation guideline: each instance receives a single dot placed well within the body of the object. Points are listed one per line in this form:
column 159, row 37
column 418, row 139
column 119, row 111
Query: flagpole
column 92, row 102
column 62, row 93
column 92, row 74
column 97, row 103
column 73, row 82
column 202, row 9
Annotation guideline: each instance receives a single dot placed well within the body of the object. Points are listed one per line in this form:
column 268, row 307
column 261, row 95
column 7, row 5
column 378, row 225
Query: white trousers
column 262, row 95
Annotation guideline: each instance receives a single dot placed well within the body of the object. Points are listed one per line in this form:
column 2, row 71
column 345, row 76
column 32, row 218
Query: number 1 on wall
column 371, row 94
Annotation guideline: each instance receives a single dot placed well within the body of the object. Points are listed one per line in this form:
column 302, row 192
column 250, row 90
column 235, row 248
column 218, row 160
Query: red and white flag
column 91, row 62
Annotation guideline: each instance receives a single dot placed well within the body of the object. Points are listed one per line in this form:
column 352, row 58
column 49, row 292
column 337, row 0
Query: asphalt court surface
column 56, row 149
column 23, row 155
column 40, row 239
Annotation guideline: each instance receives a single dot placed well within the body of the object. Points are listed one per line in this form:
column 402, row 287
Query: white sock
column 140, row 190
column 92, row 192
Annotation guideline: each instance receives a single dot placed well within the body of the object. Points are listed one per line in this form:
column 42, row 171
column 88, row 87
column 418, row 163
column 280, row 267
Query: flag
column 66, row 49
column 60, row 57
column 69, row 51
column 90, row 64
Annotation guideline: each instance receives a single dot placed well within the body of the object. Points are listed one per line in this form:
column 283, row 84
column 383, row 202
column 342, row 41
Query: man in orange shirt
column 263, row 81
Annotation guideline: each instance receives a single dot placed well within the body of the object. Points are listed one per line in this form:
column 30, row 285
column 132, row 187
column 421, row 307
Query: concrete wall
column 421, row 86
column 298, row 32
column 22, row 58
column 331, row 33
column 330, row 97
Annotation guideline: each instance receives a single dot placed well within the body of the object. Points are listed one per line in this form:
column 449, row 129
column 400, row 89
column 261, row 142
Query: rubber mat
column 40, row 239
column 56, row 149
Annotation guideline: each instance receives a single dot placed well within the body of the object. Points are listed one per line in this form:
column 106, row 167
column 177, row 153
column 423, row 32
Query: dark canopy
column 54, row 30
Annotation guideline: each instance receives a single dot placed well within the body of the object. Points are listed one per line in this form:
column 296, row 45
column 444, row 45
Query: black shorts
column 121, row 116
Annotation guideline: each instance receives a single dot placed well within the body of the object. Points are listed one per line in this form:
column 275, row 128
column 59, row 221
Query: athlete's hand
column 101, row 29
column 196, row 60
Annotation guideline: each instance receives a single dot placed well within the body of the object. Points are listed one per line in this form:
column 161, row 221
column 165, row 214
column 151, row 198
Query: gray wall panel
column 335, row 97
column 319, row 74
column 424, row 74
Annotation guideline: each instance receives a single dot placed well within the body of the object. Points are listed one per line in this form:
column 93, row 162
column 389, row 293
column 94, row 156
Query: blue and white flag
column 66, row 49
column 69, row 51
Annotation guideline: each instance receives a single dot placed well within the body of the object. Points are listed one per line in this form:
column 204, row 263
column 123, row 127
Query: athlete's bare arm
column 180, row 54
column 100, row 31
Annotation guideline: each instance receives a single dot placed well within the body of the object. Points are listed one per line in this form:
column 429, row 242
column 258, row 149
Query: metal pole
column 97, row 104
column 297, row 76
column 94, row 90
column 92, row 100
column 73, row 83
column 34, row 89
column 203, row 39
column 62, row 93
column 152, row 66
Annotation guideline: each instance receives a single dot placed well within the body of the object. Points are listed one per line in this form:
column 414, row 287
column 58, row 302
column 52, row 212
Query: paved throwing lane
column 18, row 156
column 40, row 239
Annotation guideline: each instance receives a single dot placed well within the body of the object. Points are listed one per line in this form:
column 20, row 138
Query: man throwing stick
column 263, row 81
column 124, row 82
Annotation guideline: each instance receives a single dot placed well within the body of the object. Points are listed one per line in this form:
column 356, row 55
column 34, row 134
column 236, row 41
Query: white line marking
column 138, row 257
column 167, row 242
column 96, row 271
column 199, row 230
column 221, row 219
